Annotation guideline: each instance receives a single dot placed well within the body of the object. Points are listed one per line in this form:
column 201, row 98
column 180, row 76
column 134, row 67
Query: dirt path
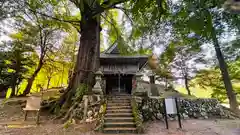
column 195, row 127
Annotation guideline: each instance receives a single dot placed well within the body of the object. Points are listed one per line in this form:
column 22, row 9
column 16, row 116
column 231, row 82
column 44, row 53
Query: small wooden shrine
column 118, row 70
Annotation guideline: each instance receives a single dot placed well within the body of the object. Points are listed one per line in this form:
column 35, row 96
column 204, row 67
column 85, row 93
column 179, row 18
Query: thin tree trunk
column 186, row 85
column 62, row 75
column 15, row 77
column 3, row 90
column 13, row 93
column 32, row 78
column 225, row 75
column 48, row 82
column 3, row 93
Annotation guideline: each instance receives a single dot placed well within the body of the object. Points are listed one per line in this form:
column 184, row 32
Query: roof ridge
column 110, row 49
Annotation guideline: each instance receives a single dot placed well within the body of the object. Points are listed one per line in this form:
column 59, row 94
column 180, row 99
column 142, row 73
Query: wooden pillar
column 119, row 81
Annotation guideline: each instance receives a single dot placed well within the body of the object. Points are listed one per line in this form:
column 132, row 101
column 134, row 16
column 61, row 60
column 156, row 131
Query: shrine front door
column 118, row 83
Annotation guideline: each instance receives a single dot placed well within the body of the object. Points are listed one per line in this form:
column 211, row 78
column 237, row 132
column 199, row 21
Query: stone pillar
column 97, row 89
column 139, row 90
column 85, row 103
column 153, row 89
column 152, row 78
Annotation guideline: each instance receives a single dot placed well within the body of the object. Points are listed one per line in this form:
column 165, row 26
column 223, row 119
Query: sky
column 5, row 26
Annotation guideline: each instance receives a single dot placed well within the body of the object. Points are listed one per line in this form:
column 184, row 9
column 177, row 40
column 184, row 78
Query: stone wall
column 152, row 108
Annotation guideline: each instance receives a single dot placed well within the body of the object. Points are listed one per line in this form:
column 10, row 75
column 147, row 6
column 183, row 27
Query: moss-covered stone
column 100, row 120
column 137, row 116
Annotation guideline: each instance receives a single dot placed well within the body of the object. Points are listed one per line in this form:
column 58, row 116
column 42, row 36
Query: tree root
column 69, row 113
column 70, row 105
column 50, row 104
column 95, row 104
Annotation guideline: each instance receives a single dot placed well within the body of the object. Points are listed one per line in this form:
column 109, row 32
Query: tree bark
column 96, row 63
column 225, row 75
column 32, row 78
column 87, row 55
column 186, row 85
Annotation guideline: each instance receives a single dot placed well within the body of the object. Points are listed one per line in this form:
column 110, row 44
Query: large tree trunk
column 86, row 65
column 186, row 85
column 32, row 78
column 225, row 75
column 96, row 63
column 86, row 59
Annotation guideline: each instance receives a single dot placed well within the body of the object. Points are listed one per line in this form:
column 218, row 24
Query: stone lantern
column 97, row 89
column 151, row 76
column 138, row 76
column 153, row 89
column 139, row 88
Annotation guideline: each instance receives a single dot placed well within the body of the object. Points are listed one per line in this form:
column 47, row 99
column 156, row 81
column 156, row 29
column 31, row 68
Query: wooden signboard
column 171, row 107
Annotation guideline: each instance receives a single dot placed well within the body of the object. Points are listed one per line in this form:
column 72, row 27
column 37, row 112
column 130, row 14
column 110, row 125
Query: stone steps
column 119, row 117
column 122, row 124
column 119, row 110
column 119, row 130
column 120, row 101
column 119, row 114
column 119, row 98
column 118, row 104
column 118, row 107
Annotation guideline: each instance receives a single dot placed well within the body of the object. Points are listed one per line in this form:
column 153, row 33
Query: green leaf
column 17, row 36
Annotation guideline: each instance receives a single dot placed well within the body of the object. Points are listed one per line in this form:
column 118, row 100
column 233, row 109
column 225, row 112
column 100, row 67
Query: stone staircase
column 118, row 117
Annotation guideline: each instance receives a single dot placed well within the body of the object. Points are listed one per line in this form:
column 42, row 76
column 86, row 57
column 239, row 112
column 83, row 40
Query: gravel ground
column 190, row 127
